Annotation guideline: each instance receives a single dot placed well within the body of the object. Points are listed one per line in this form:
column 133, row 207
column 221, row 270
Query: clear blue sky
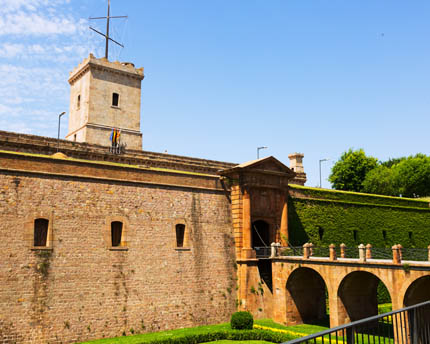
column 226, row 76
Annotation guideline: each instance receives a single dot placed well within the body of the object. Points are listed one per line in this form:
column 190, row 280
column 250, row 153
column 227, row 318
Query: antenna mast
column 106, row 36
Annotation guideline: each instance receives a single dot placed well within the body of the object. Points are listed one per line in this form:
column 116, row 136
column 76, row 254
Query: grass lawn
column 239, row 342
column 297, row 330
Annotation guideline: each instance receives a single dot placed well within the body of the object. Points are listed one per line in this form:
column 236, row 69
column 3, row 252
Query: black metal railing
column 415, row 254
column 382, row 253
column 262, row 252
column 409, row 325
column 291, row 251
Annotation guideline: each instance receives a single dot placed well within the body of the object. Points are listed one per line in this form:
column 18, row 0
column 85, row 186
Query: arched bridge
column 301, row 280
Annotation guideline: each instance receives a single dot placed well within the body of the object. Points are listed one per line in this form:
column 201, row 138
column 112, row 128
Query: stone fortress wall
column 80, row 287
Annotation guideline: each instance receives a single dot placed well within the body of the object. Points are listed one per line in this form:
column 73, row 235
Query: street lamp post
column 321, row 160
column 59, row 122
column 258, row 151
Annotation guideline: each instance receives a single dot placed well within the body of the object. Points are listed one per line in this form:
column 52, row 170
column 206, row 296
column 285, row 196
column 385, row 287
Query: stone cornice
column 116, row 67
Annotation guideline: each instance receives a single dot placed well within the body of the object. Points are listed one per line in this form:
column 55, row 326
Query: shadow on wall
column 297, row 234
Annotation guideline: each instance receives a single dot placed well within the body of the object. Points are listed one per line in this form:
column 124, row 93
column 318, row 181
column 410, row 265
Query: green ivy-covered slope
column 328, row 216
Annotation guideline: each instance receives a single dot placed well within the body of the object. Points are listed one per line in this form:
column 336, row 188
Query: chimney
column 296, row 164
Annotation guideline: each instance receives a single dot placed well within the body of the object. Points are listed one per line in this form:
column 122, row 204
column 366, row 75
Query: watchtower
column 104, row 96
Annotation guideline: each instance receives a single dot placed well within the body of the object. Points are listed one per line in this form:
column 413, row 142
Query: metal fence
column 409, row 325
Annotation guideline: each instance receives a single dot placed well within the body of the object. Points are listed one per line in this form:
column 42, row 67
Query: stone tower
column 105, row 95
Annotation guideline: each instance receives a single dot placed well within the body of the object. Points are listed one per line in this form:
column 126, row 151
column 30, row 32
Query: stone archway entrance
column 306, row 297
column 417, row 292
column 260, row 234
column 357, row 295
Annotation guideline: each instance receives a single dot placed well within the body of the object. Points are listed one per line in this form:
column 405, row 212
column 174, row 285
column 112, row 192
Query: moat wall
column 328, row 216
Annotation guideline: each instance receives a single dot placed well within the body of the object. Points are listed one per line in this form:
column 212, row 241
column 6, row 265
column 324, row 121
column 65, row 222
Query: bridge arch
column 306, row 297
column 418, row 291
column 357, row 296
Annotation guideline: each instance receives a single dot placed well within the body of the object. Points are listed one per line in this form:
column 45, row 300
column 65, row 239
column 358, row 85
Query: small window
column 116, row 233
column 115, row 99
column 74, row 137
column 180, row 233
column 78, row 103
column 40, row 232
column 355, row 234
column 320, row 232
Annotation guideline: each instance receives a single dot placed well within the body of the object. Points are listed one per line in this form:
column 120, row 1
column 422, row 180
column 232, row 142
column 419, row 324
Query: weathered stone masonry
column 81, row 288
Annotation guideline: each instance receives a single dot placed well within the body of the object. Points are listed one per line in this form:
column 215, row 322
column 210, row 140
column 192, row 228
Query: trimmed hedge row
column 326, row 222
column 357, row 197
column 269, row 336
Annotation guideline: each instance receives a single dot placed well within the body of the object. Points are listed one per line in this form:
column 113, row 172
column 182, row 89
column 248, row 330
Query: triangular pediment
column 267, row 164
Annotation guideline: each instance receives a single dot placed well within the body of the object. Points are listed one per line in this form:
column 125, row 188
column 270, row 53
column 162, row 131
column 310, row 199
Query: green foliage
column 341, row 213
column 409, row 177
column 412, row 176
column 349, row 172
column 265, row 335
column 385, row 308
column 358, row 197
column 219, row 331
column 383, row 294
column 380, row 181
column 241, row 321
column 392, row 161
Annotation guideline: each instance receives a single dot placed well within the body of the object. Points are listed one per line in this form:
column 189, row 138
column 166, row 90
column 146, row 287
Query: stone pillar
column 284, row 221
column 400, row 251
column 342, row 250
column 311, row 249
column 362, row 252
column 368, row 251
column 332, row 252
column 247, row 251
column 306, row 251
column 273, row 250
column 396, row 255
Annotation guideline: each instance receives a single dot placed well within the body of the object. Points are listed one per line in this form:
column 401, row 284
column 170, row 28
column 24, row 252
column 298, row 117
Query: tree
column 349, row 172
column 380, row 181
column 412, row 176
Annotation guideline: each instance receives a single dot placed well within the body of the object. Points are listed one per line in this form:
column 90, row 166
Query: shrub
column 241, row 321
column 265, row 335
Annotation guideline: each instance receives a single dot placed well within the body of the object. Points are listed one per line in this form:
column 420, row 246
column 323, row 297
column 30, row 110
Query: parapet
column 126, row 68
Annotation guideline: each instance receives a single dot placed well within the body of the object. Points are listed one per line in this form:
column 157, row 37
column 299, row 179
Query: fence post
column 311, row 249
column 396, row 256
column 306, row 251
column 413, row 328
column 272, row 250
column 362, row 253
column 350, row 335
column 400, row 252
column 333, row 252
column 343, row 246
column 368, row 251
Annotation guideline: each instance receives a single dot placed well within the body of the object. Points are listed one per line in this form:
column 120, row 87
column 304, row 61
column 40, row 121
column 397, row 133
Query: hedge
column 265, row 335
column 357, row 197
column 323, row 217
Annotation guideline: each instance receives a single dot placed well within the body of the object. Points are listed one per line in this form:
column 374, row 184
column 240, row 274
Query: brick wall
column 83, row 289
